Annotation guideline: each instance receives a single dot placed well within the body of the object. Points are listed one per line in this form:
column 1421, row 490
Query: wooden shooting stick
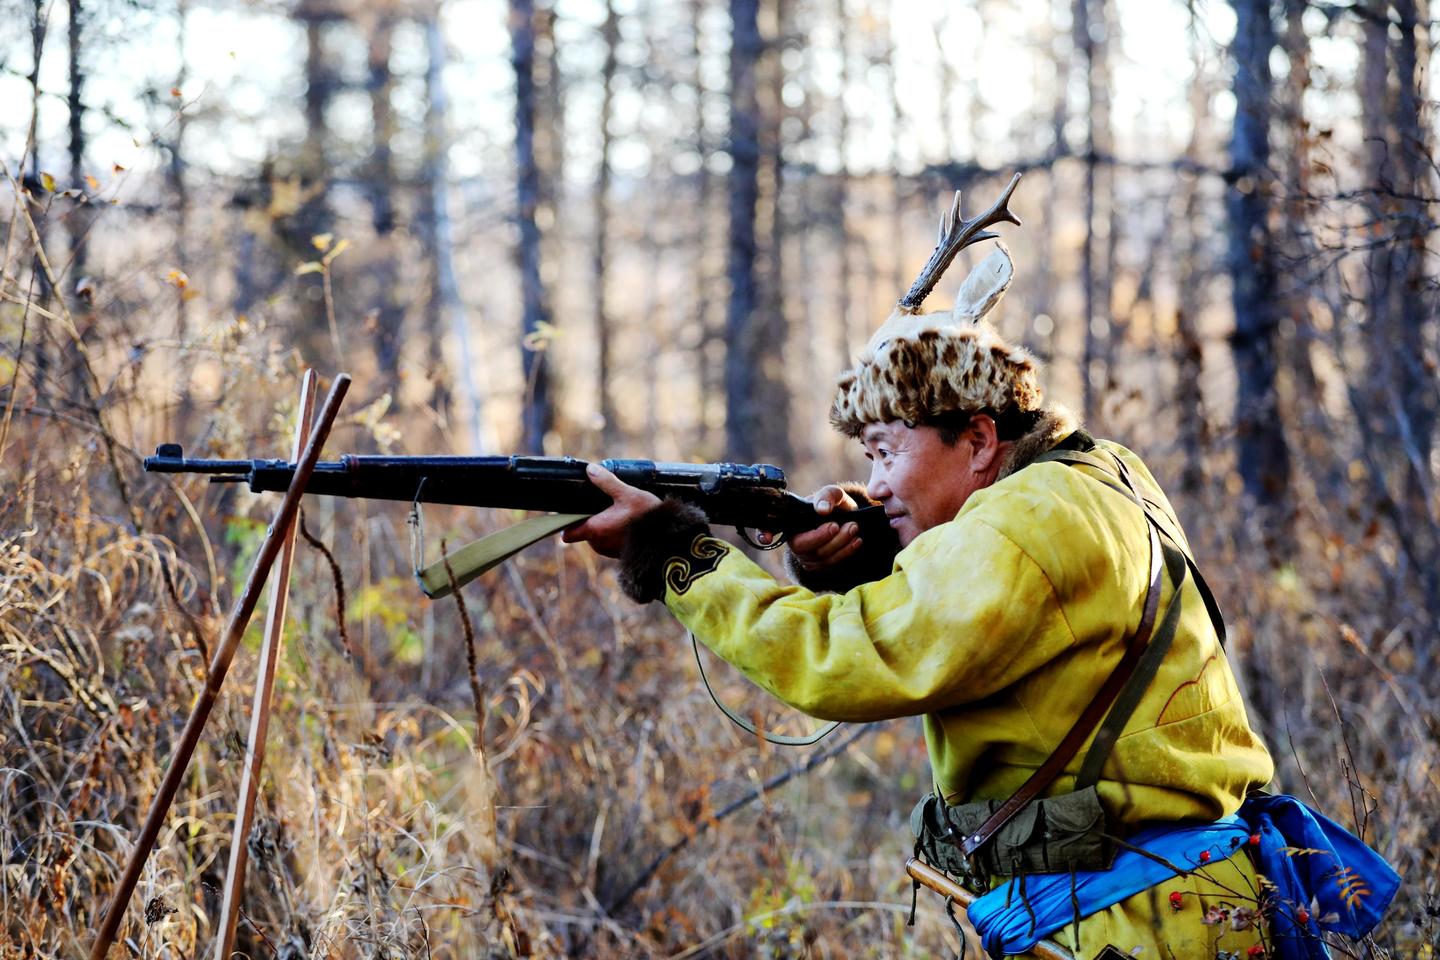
column 930, row 878
column 219, row 665
column 260, row 707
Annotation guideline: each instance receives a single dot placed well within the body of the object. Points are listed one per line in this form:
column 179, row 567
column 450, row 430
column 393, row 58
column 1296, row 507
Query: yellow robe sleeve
column 941, row 630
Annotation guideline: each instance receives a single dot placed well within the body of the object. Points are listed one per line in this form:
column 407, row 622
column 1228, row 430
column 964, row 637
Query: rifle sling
column 483, row 555
column 1125, row 685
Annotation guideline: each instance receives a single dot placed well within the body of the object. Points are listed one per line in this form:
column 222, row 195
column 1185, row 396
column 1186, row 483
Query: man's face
column 921, row 482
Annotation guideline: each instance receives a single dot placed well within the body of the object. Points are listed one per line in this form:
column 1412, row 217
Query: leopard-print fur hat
column 918, row 366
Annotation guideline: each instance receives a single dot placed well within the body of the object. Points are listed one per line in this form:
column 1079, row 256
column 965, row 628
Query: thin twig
column 473, row 670
column 339, row 589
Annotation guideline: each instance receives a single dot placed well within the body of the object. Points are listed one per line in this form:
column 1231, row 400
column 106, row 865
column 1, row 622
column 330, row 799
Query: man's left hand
column 607, row 530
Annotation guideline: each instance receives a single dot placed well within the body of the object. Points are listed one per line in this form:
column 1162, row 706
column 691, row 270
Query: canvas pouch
column 1050, row 835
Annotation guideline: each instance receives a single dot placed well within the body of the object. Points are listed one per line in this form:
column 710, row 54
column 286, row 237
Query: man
column 1028, row 563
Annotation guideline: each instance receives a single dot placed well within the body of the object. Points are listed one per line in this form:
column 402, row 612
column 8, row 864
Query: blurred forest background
column 629, row 227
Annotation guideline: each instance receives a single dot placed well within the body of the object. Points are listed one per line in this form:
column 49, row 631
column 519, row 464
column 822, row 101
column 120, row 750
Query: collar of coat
column 1054, row 425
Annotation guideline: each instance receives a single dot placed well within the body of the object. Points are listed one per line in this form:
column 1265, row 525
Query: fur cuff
column 872, row 562
column 663, row 534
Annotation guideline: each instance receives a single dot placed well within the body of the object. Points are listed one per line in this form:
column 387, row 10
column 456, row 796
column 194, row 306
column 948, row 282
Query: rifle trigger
column 776, row 544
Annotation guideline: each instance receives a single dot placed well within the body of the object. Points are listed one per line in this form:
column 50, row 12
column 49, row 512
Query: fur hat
column 919, row 366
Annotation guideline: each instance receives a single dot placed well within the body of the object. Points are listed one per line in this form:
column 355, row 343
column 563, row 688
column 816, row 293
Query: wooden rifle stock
column 932, row 879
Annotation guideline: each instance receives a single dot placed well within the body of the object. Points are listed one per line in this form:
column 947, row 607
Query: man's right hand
column 832, row 542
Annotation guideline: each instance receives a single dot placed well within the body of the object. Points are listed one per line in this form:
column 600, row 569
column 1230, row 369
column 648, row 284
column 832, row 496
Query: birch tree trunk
column 75, row 101
column 446, row 310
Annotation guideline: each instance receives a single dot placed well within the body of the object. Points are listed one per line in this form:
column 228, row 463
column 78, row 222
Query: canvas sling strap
column 481, row 556
column 1122, row 690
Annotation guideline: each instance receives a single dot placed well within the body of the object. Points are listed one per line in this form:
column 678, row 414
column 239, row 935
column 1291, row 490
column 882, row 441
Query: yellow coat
column 998, row 627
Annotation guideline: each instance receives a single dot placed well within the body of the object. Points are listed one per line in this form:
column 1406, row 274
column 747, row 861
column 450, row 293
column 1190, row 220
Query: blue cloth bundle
column 1312, row 864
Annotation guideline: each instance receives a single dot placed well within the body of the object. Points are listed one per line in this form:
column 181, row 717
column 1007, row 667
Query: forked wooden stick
column 932, row 879
column 219, row 665
column 260, row 707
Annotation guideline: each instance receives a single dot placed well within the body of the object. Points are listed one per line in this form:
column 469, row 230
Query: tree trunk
column 1314, row 441
column 446, row 311
column 314, row 217
column 1262, row 456
column 75, row 100
column 610, row 35
column 1415, row 316
column 1103, row 148
column 33, row 181
column 899, row 266
column 1093, row 372
column 743, row 331
column 384, row 272
column 1192, row 428
column 843, row 305
column 1413, row 399
column 175, row 176
column 711, row 360
column 538, row 416
column 776, row 214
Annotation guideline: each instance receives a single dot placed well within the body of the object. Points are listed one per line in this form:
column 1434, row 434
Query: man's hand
column 606, row 531
column 829, row 543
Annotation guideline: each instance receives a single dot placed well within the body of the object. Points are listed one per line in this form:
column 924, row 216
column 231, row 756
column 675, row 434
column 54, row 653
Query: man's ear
column 984, row 438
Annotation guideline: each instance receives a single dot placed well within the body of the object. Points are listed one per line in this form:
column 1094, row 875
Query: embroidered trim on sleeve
column 704, row 556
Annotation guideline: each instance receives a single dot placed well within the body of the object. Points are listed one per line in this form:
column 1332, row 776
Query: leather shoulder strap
column 1143, row 673
column 1125, row 679
column 1086, row 722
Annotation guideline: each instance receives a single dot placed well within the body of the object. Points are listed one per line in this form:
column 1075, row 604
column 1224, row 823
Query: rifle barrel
column 731, row 494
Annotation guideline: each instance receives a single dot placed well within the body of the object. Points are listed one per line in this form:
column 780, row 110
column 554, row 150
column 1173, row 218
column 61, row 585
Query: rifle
column 731, row 494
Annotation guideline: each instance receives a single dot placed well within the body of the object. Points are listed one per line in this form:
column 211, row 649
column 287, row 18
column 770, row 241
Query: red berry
column 1254, row 839
column 1303, row 916
column 1177, row 899
column 1255, row 951
column 1204, row 856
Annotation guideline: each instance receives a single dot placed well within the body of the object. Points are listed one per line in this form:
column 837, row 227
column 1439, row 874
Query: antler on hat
column 919, row 366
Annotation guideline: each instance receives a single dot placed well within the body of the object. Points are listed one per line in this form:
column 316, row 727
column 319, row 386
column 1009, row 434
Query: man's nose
column 876, row 488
